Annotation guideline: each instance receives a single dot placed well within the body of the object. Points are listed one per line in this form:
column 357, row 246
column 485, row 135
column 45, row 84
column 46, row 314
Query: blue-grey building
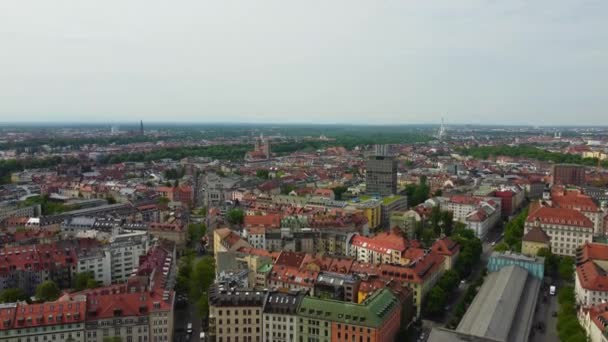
column 534, row 265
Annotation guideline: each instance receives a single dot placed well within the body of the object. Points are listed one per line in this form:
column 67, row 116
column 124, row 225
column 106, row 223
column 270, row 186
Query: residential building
column 406, row 221
column 591, row 276
column 126, row 247
column 61, row 320
column 235, row 315
column 377, row 318
column 381, row 176
column 279, row 316
column 594, row 320
column 568, row 174
column 387, row 247
column 390, row 205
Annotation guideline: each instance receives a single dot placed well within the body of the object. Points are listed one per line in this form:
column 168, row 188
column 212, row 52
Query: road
column 544, row 313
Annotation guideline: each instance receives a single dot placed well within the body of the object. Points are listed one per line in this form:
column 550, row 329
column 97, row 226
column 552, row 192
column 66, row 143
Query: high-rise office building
column 381, row 176
column 568, row 174
column 382, row 150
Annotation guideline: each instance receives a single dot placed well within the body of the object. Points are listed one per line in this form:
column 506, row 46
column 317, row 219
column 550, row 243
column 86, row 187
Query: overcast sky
column 309, row 61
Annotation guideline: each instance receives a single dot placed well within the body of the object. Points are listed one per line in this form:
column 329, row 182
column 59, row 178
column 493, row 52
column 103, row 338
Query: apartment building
column 591, row 276
column 279, row 316
column 235, row 315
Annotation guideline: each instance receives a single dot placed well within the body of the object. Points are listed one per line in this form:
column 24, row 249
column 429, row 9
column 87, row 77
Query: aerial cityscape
column 320, row 171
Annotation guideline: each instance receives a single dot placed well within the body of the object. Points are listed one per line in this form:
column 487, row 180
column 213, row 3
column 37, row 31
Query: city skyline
column 475, row 62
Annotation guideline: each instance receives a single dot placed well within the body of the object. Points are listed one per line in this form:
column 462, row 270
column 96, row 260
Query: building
column 279, row 316
column 575, row 200
column 126, row 249
column 390, row 205
column 381, row 176
column 61, row 320
column 480, row 214
column 406, row 221
column 567, row 228
column 235, row 315
column 591, row 277
column 568, row 174
column 595, row 322
column 387, row 248
column 225, row 240
column 534, row 265
column 502, row 311
column 337, row 286
column 372, row 210
column 534, row 240
column 375, row 319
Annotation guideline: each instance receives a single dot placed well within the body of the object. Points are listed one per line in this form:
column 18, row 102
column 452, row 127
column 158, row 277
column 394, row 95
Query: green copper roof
column 372, row 312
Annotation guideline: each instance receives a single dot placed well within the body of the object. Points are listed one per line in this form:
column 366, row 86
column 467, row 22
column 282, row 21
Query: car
column 189, row 329
column 447, row 308
column 554, row 314
column 493, row 243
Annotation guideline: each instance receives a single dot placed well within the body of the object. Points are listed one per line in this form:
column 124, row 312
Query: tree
column 82, row 281
column 12, row 295
column 447, row 222
column 339, row 191
column 47, row 291
column 448, row 281
column 262, row 174
column 501, row 247
column 196, row 231
column 287, row 188
column 435, row 300
column 551, row 260
column 111, row 199
column 235, row 216
column 435, row 219
column 112, row 339
column 437, row 193
column 566, row 268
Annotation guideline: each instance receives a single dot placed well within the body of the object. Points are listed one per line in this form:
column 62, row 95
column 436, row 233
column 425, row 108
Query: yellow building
column 595, row 154
column 534, row 240
column 372, row 209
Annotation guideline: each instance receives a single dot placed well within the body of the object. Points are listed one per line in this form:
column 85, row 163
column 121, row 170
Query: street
column 544, row 314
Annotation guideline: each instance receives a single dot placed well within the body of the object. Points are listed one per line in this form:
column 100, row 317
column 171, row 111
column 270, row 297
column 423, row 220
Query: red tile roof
column 560, row 216
column 269, row 221
column 592, row 277
column 536, row 234
column 593, row 251
column 66, row 310
column 384, row 242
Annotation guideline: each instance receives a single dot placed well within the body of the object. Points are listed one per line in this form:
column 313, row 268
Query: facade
column 591, row 277
column 377, row 318
column 568, row 174
column 390, row 205
column 279, row 316
column 387, row 248
column 126, row 249
column 98, row 261
column 534, row 240
column 381, row 176
column 235, row 315
column 61, row 320
column 406, row 221
column 595, row 322
column 534, row 265
column 567, row 228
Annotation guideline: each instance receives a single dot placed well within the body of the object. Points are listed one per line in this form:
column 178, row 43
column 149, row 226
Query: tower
column 141, row 127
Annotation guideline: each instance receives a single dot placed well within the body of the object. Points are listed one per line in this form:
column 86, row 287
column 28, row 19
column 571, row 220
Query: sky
column 541, row 62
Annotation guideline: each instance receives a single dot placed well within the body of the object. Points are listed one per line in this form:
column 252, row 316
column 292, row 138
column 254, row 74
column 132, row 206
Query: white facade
column 587, row 297
column 279, row 327
column 126, row 250
column 565, row 239
column 100, row 263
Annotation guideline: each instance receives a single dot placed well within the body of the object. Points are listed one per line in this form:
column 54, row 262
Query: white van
column 189, row 329
column 203, row 338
